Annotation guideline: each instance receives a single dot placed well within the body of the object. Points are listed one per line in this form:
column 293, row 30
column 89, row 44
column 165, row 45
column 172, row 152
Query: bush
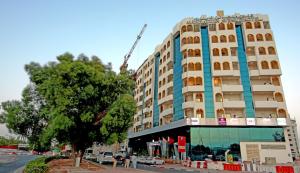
column 36, row 166
column 39, row 165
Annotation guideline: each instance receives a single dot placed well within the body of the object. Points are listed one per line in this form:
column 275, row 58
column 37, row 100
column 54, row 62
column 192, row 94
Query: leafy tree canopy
column 85, row 101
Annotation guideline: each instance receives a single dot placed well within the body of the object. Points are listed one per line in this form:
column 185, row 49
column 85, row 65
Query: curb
column 178, row 169
column 20, row 170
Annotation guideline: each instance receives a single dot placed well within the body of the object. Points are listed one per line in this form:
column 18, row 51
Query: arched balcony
column 230, row 26
column 191, row 53
column 191, row 81
column 183, row 41
column 231, row 38
column 199, row 81
column 168, row 44
column 221, row 26
column 189, row 28
column 184, row 68
column 250, row 37
column 281, row 113
column 190, row 40
column 268, row 37
column 196, row 39
column 259, row 37
column 217, row 66
column 183, row 29
column 184, row 53
column 191, row 67
column 278, row 97
column 197, row 52
column 223, row 39
column 264, row 65
column 262, row 51
column 216, row 52
column 275, row 81
column 257, row 25
column 224, row 52
column 248, row 25
column 217, row 82
column 220, row 113
column 226, row 66
column 214, row 39
column 219, row 97
column 271, row 50
column 274, row 65
column 199, row 97
column 199, row 113
column 198, row 66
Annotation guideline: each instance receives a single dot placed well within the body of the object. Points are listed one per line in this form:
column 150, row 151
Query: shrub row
column 39, row 165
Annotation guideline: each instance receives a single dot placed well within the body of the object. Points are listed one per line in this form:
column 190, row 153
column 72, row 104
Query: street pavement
column 10, row 163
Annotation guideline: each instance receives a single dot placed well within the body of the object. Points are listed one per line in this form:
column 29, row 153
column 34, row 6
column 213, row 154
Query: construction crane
column 123, row 67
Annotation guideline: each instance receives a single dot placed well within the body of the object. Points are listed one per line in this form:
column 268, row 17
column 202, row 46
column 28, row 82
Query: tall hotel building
column 216, row 81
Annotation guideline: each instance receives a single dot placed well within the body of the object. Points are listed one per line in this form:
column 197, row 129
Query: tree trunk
column 74, row 154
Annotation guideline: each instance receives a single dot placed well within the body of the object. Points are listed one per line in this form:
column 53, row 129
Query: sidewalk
column 66, row 166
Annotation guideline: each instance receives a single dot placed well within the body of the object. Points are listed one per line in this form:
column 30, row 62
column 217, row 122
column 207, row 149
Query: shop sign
column 222, row 121
column 195, row 121
column 250, row 121
column 281, row 121
column 284, row 169
column 181, row 144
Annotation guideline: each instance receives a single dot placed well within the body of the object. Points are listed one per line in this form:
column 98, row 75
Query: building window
column 250, row 51
column 268, row 37
column 271, row 50
column 259, row 37
column 197, row 53
column 183, row 29
column 216, row 52
column 264, row 65
column 266, row 24
column 248, row 25
column 250, row 37
column 189, row 28
column 223, row 39
column 274, row 65
column 257, row 25
column 212, row 27
column 224, row 52
column 196, row 39
column 231, row 38
column 196, row 28
column 214, row 39
column 230, row 26
column 262, row 51
column 217, row 66
column 226, row 66
column 233, row 51
column 221, row 26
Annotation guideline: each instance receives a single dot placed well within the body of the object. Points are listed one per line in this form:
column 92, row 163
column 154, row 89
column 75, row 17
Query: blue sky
column 40, row 30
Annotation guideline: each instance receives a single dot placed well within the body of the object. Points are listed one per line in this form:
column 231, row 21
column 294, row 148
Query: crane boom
column 127, row 56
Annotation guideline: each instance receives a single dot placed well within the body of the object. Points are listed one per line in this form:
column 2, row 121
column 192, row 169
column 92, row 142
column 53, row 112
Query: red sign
column 170, row 140
column 232, row 167
column 284, row 169
column 181, row 144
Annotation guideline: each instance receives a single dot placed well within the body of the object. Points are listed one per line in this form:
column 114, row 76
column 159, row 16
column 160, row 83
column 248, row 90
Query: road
column 10, row 163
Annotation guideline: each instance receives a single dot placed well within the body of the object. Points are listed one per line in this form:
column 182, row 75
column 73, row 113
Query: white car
column 154, row 161
column 106, row 157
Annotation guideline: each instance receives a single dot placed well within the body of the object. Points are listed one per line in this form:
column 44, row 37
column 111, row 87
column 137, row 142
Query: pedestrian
column 134, row 160
column 127, row 161
column 114, row 161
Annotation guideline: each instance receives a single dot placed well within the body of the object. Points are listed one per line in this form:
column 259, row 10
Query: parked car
column 154, row 161
column 106, row 157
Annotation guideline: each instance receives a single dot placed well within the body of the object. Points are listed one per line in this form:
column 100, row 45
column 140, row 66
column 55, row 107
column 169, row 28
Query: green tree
column 84, row 99
column 26, row 117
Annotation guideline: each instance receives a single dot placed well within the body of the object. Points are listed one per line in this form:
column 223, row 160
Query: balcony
column 147, row 109
column 267, row 87
column 222, row 72
column 165, row 99
column 230, row 88
column 192, row 59
column 166, row 112
column 270, row 72
column 196, row 88
column 236, row 121
column 191, row 74
column 233, row 103
column 253, row 72
column 266, row 104
column 266, row 121
column 192, row 104
column 147, row 119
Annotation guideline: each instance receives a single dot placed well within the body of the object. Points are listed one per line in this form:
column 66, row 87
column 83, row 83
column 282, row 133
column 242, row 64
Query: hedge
column 39, row 165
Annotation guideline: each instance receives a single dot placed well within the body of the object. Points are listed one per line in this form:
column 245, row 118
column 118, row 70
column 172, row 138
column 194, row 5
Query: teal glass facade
column 244, row 74
column 216, row 140
column 208, row 89
column 155, row 101
column 177, row 81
